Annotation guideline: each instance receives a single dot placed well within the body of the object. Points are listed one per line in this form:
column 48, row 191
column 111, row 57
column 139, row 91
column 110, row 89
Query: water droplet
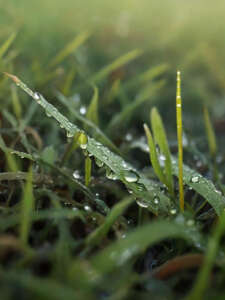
column 141, row 187
column 190, row 222
column 173, row 211
column 195, row 179
column 61, row 126
column 82, row 140
column 37, row 96
column 76, row 174
column 48, row 114
column 218, row 192
column 69, row 134
column 83, row 110
column 128, row 137
column 87, row 208
column 142, row 203
column 99, row 163
column 111, row 175
column 156, row 200
column 131, row 176
column 162, row 160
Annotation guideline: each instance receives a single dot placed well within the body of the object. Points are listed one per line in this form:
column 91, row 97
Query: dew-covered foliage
column 112, row 157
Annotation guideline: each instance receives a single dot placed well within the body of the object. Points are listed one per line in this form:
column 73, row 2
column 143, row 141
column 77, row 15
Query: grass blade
column 7, row 44
column 118, row 63
column 88, row 163
column 27, row 205
column 70, row 48
column 153, row 155
column 96, row 236
column 141, row 186
column 210, row 133
column 92, row 113
column 180, row 142
column 161, row 139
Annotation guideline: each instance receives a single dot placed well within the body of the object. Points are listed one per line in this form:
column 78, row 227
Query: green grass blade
column 203, row 278
column 210, row 133
column 120, row 252
column 96, row 236
column 16, row 103
column 128, row 110
column 180, row 142
column 5, row 46
column 161, row 139
column 92, row 113
column 153, row 155
column 27, row 205
column 118, row 63
column 70, row 48
column 141, row 186
column 88, row 163
column 202, row 186
column 11, row 162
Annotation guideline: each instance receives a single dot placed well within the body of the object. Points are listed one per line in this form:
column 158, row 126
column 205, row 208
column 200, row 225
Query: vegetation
column 111, row 187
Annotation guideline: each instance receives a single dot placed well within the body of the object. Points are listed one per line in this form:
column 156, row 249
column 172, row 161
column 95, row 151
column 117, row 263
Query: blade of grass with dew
column 118, row 63
column 27, row 206
column 201, row 185
column 141, row 186
column 88, row 163
column 210, row 133
column 180, row 142
column 153, row 155
column 98, row 132
column 126, row 113
column 203, row 278
column 96, row 236
column 123, row 250
column 5, row 46
column 69, row 48
column 161, row 139
column 92, row 113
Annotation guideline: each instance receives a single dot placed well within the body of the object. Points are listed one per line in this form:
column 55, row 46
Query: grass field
column 112, row 160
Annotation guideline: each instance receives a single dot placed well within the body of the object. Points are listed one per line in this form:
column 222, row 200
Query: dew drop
column 69, row 134
column 141, row 187
column 190, row 223
column 83, row 110
column 87, row 208
column 111, row 175
column 128, row 137
column 99, row 163
column 195, row 179
column 173, row 211
column 156, row 200
column 76, row 174
column 36, row 96
column 48, row 114
column 82, row 140
column 131, row 176
column 142, row 203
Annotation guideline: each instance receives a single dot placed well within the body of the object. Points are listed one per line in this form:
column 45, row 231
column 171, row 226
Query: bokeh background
column 185, row 35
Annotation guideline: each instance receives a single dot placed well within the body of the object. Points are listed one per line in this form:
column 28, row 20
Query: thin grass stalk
column 180, row 143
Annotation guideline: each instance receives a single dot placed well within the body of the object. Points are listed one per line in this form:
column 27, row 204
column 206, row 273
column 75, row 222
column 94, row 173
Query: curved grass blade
column 96, row 236
column 92, row 113
column 202, row 186
column 5, row 46
column 161, row 139
column 71, row 47
column 126, row 113
column 120, row 252
column 118, row 63
column 141, row 186
column 153, row 155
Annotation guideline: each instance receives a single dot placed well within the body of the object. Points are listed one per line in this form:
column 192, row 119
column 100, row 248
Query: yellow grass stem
column 180, row 144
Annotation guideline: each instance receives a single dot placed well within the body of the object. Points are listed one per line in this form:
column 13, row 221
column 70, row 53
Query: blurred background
column 185, row 35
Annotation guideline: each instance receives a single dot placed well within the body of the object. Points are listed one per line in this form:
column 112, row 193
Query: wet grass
column 93, row 205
